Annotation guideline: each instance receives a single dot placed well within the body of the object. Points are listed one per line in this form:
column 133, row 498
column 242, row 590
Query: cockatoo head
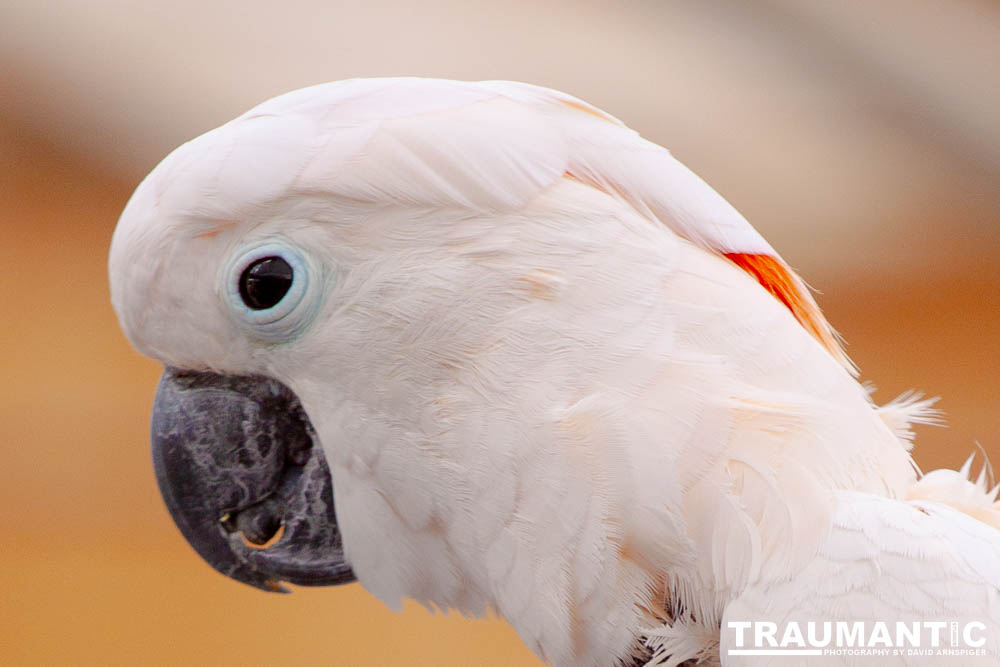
column 301, row 273
column 398, row 320
column 291, row 270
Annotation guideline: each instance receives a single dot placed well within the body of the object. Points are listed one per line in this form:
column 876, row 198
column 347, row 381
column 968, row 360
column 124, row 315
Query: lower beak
column 237, row 461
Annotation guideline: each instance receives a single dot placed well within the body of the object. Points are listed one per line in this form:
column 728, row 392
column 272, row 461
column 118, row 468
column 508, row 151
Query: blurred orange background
column 860, row 138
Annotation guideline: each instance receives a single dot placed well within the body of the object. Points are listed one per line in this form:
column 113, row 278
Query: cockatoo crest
column 486, row 146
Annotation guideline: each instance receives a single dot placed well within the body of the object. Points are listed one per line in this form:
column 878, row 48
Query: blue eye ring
column 292, row 313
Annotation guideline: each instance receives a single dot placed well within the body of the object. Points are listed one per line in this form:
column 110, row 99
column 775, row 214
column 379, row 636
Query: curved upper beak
column 237, row 461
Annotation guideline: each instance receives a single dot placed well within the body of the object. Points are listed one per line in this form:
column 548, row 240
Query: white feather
column 539, row 386
column 886, row 560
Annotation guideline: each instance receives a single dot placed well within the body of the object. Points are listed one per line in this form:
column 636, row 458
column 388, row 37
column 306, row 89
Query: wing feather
column 885, row 560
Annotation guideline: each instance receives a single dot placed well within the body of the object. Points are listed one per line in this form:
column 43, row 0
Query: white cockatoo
column 547, row 371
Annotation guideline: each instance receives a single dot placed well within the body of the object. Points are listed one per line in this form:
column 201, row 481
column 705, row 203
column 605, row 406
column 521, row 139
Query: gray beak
column 237, row 460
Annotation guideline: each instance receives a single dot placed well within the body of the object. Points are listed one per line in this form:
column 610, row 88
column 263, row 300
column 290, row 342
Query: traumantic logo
column 858, row 638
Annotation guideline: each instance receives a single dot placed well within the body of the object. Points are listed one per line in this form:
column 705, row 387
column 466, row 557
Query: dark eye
column 265, row 282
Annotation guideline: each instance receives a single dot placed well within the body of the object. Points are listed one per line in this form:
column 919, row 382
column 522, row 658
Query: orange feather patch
column 771, row 272
column 779, row 279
